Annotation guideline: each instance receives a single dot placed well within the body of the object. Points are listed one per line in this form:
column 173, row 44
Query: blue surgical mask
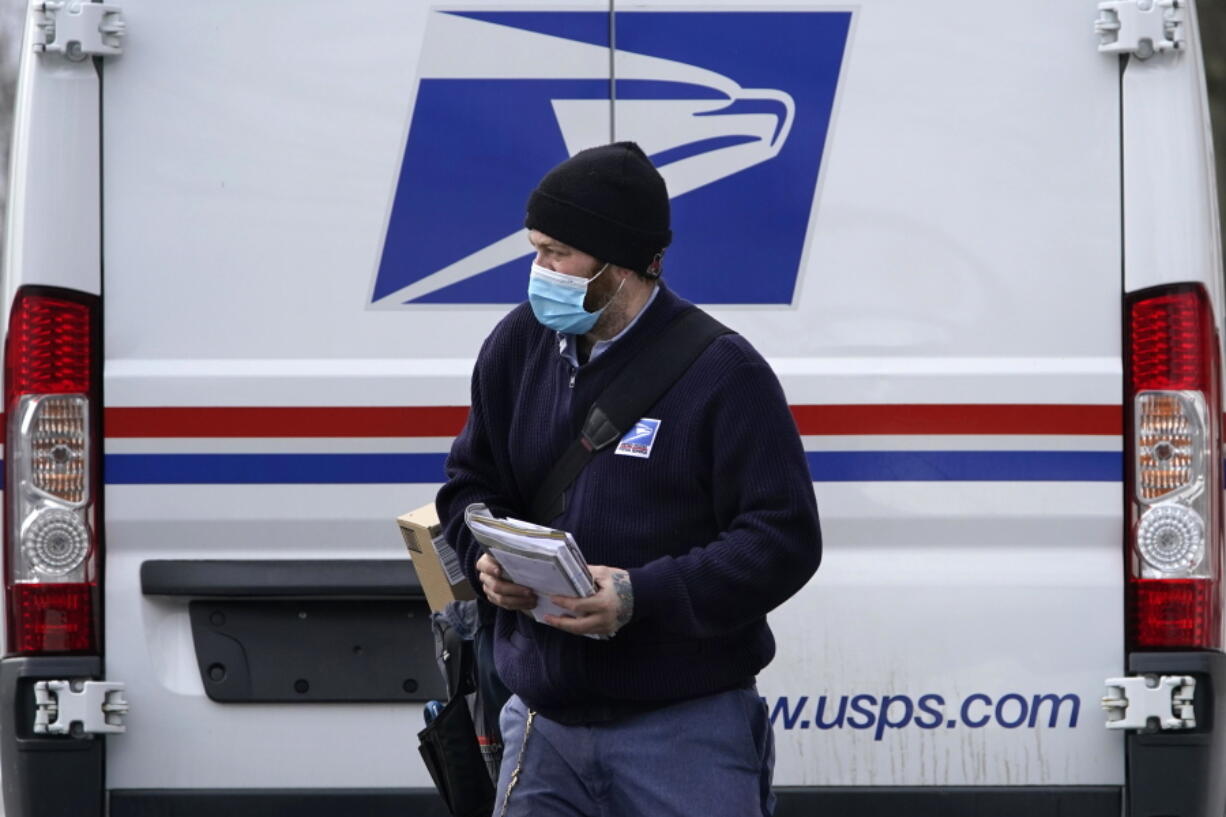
column 557, row 300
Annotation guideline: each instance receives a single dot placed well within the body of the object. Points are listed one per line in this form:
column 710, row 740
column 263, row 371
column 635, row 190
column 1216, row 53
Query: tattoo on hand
column 625, row 598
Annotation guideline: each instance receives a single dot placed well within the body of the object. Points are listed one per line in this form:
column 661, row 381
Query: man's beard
column 614, row 313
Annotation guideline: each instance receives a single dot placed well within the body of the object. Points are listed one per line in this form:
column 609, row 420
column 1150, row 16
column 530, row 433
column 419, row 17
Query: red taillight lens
column 53, row 618
column 48, row 347
column 1173, row 482
column 1172, row 341
column 52, row 468
column 1174, row 612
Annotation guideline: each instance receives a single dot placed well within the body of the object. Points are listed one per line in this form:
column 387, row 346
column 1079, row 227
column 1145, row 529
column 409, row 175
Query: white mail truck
column 253, row 249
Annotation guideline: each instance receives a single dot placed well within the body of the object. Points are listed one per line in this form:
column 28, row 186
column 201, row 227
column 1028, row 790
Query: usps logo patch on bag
column 639, row 440
column 733, row 107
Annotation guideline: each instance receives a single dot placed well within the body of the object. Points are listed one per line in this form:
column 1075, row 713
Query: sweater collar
column 648, row 323
column 568, row 344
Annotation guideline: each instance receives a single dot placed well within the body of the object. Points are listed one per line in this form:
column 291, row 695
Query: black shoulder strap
column 637, row 387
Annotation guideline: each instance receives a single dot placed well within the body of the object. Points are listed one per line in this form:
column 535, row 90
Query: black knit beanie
column 608, row 201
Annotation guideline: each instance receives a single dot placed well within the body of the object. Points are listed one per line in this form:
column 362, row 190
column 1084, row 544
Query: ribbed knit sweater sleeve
column 477, row 470
column 762, row 494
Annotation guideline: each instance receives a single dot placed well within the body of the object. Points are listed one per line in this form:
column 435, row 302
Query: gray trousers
column 711, row 756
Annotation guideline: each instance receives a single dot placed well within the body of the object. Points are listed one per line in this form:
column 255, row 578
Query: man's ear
column 656, row 267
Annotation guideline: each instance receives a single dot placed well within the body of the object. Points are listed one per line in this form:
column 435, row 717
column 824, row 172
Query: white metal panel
column 445, row 381
column 1170, row 209
column 176, row 736
column 968, row 199
column 53, row 233
column 957, row 590
column 273, row 177
column 288, row 382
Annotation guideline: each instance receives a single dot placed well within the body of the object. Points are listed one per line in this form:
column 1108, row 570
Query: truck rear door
column 918, row 223
column 311, row 220
column 267, row 414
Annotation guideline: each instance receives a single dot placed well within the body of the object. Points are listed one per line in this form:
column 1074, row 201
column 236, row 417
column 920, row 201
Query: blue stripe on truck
column 247, row 469
column 826, row 466
column 971, row 466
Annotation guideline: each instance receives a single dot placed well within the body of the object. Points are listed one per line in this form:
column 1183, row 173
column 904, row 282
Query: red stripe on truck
column 447, row 421
column 297, row 421
column 959, row 419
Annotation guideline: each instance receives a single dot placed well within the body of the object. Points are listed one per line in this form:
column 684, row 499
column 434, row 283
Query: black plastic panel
column 936, row 801
column 1181, row 774
column 277, row 803
column 46, row 776
column 801, row 802
column 315, row 651
column 247, row 578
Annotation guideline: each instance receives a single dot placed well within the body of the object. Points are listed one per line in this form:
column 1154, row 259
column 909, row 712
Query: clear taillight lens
column 52, row 466
column 52, row 440
column 1173, row 484
column 1171, row 444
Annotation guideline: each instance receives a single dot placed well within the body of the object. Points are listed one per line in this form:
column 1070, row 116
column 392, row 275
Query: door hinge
column 1151, row 702
column 78, row 29
column 78, row 708
column 1140, row 27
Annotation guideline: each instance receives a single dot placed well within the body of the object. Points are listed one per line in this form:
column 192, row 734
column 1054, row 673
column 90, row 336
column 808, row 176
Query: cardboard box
column 437, row 564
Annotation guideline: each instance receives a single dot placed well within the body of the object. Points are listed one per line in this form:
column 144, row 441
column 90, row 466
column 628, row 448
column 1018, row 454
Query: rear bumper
column 1181, row 774
column 1173, row 774
column 1030, row 801
column 42, row 776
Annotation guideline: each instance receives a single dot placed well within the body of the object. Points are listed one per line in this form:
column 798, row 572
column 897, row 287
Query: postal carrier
column 253, row 248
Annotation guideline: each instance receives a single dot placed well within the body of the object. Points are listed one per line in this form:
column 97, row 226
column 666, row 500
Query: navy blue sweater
column 716, row 528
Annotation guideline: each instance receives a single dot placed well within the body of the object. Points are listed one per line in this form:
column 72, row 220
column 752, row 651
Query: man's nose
column 543, row 262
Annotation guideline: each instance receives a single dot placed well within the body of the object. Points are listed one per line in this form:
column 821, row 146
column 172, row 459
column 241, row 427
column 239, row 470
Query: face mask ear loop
column 614, row 295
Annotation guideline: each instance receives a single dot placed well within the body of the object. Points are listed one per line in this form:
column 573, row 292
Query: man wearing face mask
column 695, row 530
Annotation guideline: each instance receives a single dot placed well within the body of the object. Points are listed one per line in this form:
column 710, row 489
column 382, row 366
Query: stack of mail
column 544, row 559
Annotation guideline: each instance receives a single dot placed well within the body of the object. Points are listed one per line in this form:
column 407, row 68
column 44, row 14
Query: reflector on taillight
column 51, row 543
column 55, row 444
column 1170, row 443
column 1173, row 483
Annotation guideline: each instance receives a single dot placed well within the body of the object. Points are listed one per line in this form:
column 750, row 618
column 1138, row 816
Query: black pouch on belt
column 449, row 744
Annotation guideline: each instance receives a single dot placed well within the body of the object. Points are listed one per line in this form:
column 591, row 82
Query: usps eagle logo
column 733, row 107
column 638, row 441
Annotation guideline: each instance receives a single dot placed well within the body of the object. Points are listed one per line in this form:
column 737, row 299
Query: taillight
column 1173, row 478
column 52, row 473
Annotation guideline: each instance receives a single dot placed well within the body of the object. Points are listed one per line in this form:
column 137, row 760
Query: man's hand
column 499, row 591
column 603, row 613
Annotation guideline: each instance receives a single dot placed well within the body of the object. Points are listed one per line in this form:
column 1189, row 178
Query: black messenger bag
column 449, row 743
